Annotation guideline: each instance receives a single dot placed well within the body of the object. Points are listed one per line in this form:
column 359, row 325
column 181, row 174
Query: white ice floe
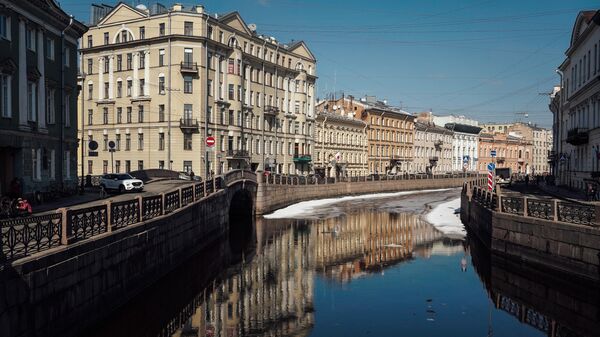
column 306, row 209
column 443, row 218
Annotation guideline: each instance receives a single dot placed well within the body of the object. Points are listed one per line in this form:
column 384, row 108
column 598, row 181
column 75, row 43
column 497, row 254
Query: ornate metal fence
column 152, row 207
column 171, row 201
column 199, row 191
column 124, row 213
column 25, row 236
column 577, row 214
column 87, row 222
column 187, row 195
column 541, row 209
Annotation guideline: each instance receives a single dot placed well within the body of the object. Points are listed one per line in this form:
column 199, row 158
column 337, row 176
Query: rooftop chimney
column 177, row 7
column 199, row 9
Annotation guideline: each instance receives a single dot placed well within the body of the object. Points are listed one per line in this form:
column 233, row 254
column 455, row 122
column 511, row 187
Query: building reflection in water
column 271, row 294
column 551, row 303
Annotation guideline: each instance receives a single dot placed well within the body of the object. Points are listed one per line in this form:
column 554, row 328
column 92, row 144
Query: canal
column 358, row 266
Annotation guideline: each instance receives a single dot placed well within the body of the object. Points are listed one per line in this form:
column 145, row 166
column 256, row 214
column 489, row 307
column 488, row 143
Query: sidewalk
column 543, row 190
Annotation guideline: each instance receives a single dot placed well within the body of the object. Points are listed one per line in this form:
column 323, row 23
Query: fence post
column 214, row 182
column 525, row 206
column 180, row 197
column 108, row 218
column 193, row 192
column 204, row 182
column 499, row 203
column 162, row 201
column 140, row 210
column 555, row 209
column 64, row 237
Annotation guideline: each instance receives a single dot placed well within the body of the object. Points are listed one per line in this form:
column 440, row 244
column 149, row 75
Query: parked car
column 121, row 182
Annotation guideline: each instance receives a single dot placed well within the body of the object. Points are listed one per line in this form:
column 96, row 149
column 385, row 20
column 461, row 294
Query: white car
column 121, row 182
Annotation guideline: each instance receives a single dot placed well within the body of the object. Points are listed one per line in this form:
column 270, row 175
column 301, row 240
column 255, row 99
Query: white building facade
column 465, row 141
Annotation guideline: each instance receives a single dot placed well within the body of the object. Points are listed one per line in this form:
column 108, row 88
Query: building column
column 22, row 76
column 41, row 94
column 111, row 93
column 136, row 82
column 286, row 86
column 146, row 73
column 101, row 79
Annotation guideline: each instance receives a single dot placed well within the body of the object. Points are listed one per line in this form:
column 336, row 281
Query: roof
column 463, row 128
column 430, row 127
column 381, row 106
column 339, row 118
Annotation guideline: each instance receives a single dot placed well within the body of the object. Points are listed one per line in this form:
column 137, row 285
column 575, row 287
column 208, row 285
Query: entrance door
column 7, row 168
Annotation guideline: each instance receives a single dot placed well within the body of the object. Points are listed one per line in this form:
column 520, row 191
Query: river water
column 360, row 267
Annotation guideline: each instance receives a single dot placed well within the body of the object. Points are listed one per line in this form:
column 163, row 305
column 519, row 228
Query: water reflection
column 546, row 301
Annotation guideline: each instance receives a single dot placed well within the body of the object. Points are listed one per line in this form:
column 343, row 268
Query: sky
column 490, row 60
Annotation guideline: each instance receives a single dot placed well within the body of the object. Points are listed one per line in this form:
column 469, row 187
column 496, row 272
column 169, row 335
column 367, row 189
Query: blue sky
column 487, row 59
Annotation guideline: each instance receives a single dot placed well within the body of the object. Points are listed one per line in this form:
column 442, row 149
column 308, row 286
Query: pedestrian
column 527, row 180
column 192, row 175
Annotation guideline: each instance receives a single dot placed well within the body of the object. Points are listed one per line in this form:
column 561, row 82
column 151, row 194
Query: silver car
column 121, row 182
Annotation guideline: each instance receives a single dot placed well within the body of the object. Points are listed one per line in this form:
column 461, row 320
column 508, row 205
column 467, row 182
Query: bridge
column 81, row 263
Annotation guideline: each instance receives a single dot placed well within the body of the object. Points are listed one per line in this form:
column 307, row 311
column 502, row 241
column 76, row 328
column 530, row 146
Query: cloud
column 264, row 2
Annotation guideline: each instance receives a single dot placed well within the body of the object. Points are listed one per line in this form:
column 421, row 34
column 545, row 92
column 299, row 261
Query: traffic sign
column 465, row 159
column 93, row 145
column 491, row 167
column 210, row 141
column 493, row 153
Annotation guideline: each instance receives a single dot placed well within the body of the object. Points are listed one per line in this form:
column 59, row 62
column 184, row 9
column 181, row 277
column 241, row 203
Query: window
column 105, row 142
column 67, row 57
column 50, row 49
column 209, row 114
column 140, row 114
column 187, row 166
column 161, row 113
column 161, row 29
column 89, row 41
column 36, row 164
column 5, row 95
column 187, row 84
column 105, row 116
column 142, row 60
column 297, row 107
column 231, row 92
column 161, row 141
column 90, row 117
column 161, row 164
column 188, row 28
column 90, row 166
column 67, row 121
column 142, row 87
column 119, row 89
column 221, row 37
column 31, row 101
column 210, row 32
column 127, row 143
column 128, row 115
column 187, row 111
column 90, row 66
column 142, row 33
column 161, row 85
column 187, row 141
column 117, row 166
column 124, row 36
column 5, row 27
column 231, row 66
column 140, row 165
column 129, row 85
column 106, row 38
column 129, row 61
column 128, row 166
column 161, row 57
column 188, row 57
column 119, row 115
column 52, row 164
column 119, row 62
column 209, row 88
column 30, row 38
column 106, row 87
column 140, row 141
column 50, row 106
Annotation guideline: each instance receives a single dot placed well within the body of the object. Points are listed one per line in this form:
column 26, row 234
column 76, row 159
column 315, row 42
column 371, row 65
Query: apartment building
column 157, row 82
column 465, row 141
column 38, row 90
column 433, row 148
column 577, row 123
column 541, row 150
column 340, row 142
column 512, row 151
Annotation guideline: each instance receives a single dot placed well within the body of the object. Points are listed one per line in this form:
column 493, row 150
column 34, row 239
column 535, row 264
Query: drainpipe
column 62, row 101
column 367, row 152
column 264, row 104
column 206, row 163
column 323, row 146
column 557, row 125
column 169, row 164
column 83, row 148
column 277, row 106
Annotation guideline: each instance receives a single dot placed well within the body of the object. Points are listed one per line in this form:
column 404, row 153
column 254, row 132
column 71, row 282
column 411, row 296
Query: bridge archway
column 241, row 234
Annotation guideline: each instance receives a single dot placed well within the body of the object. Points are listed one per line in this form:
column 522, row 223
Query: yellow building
column 158, row 82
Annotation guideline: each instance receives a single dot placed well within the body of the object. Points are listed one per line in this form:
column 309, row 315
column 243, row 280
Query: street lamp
column 83, row 147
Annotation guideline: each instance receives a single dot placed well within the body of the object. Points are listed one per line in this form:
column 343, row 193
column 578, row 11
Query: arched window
column 299, row 66
column 123, row 35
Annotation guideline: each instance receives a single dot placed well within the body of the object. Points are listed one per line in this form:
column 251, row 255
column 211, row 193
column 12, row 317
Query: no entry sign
column 210, row 141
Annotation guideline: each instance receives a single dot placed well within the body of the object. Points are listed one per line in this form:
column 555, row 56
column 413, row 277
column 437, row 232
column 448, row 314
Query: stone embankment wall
column 567, row 247
column 60, row 291
column 274, row 196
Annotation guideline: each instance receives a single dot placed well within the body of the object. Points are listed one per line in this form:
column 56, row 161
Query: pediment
column 123, row 12
column 235, row 21
column 301, row 49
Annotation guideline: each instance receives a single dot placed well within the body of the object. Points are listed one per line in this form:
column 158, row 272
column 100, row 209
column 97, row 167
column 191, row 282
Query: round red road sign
column 210, row 141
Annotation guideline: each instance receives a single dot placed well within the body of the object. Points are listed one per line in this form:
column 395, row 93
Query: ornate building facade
column 38, row 121
column 159, row 82
column 433, row 148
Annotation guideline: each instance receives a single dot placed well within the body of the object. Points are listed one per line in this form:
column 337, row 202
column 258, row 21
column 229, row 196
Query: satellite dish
column 252, row 27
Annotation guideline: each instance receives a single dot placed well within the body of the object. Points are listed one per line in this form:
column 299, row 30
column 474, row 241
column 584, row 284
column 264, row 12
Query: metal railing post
column 108, row 217
column 64, row 237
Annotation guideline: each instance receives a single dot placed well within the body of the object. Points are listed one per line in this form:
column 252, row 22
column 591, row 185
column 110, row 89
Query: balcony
column 247, row 107
column 271, row 110
column 237, row 154
column 222, row 102
column 188, row 124
column 396, row 157
column 434, row 158
column 302, row 158
column 188, row 67
column 438, row 143
column 578, row 136
column 500, row 160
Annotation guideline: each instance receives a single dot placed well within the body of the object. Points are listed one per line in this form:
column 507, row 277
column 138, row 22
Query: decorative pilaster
column 146, row 73
column 22, row 76
column 101, row 79
column 136, row 81
column 41, row 94
column 224, row 88
column 111, row 93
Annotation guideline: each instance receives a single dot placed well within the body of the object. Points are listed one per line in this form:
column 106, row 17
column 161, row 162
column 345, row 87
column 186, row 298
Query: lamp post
column 83, row 147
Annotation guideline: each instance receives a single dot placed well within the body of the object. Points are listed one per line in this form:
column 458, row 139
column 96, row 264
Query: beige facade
column 151, row 85
column 542, row 148
column 433, row 148
column 340, row 144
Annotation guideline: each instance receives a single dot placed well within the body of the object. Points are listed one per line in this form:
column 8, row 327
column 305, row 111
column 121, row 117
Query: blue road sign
column 491, row 167
column 465, row 159
column 493, row 153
